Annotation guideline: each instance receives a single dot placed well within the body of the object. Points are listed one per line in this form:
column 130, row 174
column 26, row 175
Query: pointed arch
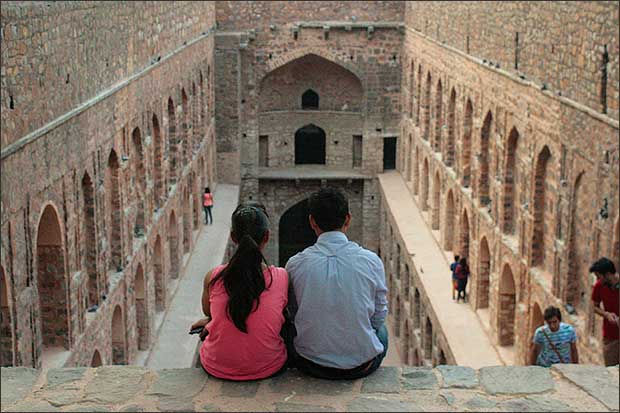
column 397, row 317
column 538, row 244
column 411, row 89
column 427, row 108
column 114, row 207
column 484, row 271
column 406, row 343
column 428, row 339
column 160, row 276
column 536, row 320
column 435, row 212
column 89, row 256
column 425, row 183
column 468, row 123
column 438, row 116
column 483, row 180
column 119, row 346
column 310, row 100
column 96, row 359
column 173, row 246
column 173, row 144
column 159, row 193
column 448, row 238
column 464, row 247
column 416, row 172
column 187, row 222
column 139, row 173
column 52, row 282
column 185, row 130
column 408, row 156
column 450, row 144
column 510, row 183
column 195, row 122
column 507, row 306
column 419, row 95
column 417, row 309
column 142, row 314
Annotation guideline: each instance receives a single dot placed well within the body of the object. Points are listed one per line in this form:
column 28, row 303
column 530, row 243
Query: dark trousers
column 312, row 369
column 462, row 284
column 208, row 215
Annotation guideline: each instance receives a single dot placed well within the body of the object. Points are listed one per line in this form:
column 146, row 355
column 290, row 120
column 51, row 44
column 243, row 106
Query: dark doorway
column 295, row 233
column 310, row 145
column 389, row 153
column 310, row 100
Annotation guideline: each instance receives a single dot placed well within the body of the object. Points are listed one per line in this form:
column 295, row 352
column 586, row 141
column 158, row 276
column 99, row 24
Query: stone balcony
column 445, row 388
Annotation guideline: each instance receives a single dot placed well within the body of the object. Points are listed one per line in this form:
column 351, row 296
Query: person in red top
column 207, row 204
column 606, row 290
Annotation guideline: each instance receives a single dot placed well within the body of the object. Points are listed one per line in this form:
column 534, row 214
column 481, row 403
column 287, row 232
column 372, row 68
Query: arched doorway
column 118, row 337
column 483, row 181
column 397, row 317
column 173, row 144
column 6, row 324
column 112, row 187
column 406, row 343
column 540, row 204
column 449, row 227
column 142, row 319
column 158, row 193
column 295, row 233
column 510, row 181
column 185, row 129
column 436, row 208
column 428, row 339
column 310, row 145
column 158, row 269
column 438, row 116
column 140, row 175
column 90, row 252
column 96, row 360
column 507, row 305
column 173, row 246
column 417, row 314
column 537, row 319
column 425, row 180
column 187, row 224
column 427, row 107
column 484, row 269
column 451, row 129
column 52, row 282
column 468, row 124
column 464, row 250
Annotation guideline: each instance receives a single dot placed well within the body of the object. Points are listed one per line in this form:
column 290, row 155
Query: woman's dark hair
column 243, row 276
column 603, row 266
column 551, row 312
column 463, row 263
column 329, row 208
column 207, row 190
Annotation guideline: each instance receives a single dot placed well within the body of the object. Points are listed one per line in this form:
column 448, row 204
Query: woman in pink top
column 207, row 204
column 244, row 302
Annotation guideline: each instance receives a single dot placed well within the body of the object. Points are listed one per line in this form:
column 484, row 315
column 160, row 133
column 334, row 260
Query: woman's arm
column 205, row 295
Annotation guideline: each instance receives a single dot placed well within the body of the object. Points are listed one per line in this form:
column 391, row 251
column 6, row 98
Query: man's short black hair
column 551, row 312
column 456, row 258
column 603, row 266
column 329, row 208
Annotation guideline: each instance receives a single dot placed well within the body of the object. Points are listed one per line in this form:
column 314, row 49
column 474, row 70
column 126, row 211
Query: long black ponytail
column 243, row 276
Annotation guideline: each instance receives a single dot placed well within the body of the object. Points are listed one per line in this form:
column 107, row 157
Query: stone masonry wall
column 390, row 389
column 510, row 181
column 561, row 44
column 115, row 176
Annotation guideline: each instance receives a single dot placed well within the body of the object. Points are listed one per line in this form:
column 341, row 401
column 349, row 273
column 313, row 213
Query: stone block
column 294, row 381
column 458, row 376
column 594, row 380
column 115, row 384
column 375, row 404
column 16, row 383
column 384, row 380
column 418, row 378
column 535, row 403
column 239, row 389
column 516, row 379
column 302, row 407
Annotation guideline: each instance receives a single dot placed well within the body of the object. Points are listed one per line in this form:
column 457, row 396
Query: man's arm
column 292, row 300
column 534, row 352
column 381, row 310
column 574, row 354
column 609, row 316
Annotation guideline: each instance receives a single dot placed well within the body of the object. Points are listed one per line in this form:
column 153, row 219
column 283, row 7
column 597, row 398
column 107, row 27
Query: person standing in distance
column 207, row 205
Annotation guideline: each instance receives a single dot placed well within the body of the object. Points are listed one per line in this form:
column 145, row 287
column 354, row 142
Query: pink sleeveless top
column 207, row 200
column 228, row 353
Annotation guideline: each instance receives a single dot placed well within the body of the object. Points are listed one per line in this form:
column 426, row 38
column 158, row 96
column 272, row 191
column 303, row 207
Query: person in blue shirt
column 338, row 297
column 454, row 280
column 555, row 342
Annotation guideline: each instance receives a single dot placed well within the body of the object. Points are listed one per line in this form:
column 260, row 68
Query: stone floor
column 445, row 388
column 173, row 346
column 461, row 326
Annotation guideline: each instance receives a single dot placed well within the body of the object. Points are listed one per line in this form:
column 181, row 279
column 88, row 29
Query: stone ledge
column 446, row 388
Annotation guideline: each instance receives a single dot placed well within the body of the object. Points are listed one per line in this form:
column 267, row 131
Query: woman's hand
column 200, row 323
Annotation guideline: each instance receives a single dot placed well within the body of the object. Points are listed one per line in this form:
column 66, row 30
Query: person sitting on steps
column 244, row 302
column 338, row 297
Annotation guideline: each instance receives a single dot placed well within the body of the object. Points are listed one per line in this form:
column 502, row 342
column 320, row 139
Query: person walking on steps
column 454, row 280
column 462, row 274
column 207, row 204
column 554, row 342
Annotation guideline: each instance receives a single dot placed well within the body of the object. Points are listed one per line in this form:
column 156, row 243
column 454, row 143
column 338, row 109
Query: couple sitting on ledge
column 323, row 314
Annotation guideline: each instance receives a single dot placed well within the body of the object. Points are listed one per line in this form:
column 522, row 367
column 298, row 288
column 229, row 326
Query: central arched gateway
column 295, row 233
column 310, row 145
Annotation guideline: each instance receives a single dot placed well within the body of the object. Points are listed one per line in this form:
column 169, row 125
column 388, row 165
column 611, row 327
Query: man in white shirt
column 339, row 298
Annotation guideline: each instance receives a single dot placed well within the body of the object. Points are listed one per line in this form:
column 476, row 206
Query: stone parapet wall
column 446, row 388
